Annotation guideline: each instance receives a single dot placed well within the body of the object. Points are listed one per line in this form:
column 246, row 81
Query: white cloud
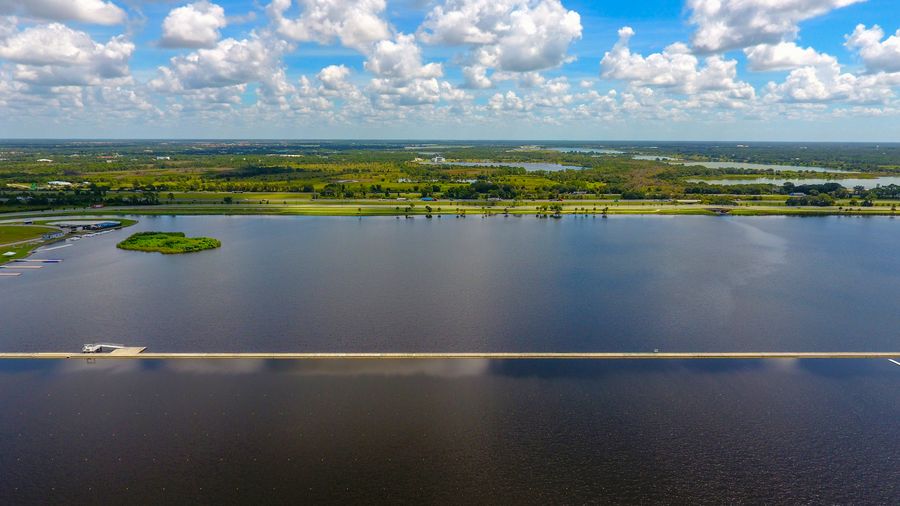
column 475, row 77
column 55, row 54
column 334, row 77
column 221, row 74
column 877, row 54
column 511, row 35
column 400, row 59
column 736, row 24
column 676, row 68
column 194, row 25
column 7, row 26
column 89, row 11
column 509, row 102
column 826, row 83
column 784, row 56
column 356, row 23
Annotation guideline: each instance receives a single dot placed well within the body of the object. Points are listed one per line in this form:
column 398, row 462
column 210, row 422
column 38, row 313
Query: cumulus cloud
column 88, row 11
column 220, row 75
column 194, row 25
column 676, row 68
column 400, row 59
column 508, row 102
column 475, row 77
column 334, row 77
column 736, row 24
column 827, row 83
column 784, row 56
column 511, row 35
column 877, row 54
column 55, row 55
column 356, row 23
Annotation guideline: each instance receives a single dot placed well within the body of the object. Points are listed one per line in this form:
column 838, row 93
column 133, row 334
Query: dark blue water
column 474, row 284
column 461, row 432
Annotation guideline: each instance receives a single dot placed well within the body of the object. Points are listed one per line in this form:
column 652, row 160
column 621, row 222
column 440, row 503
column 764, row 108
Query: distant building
column 163, row 157
column 45, row 160
column 53, row 235
column 438, row 159
column 797, row 194
column 103, row 225
column 59, row 183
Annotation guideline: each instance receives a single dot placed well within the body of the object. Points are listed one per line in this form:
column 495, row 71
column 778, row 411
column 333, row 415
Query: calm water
column 757, row 166
column 528, row 166
column 473, row 284
column 845, row 182
column 599, row 151
column 465, row 432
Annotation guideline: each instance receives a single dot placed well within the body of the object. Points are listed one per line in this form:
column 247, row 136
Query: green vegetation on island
column 168, row 243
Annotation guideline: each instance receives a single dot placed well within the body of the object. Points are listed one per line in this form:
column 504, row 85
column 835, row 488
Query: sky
column 791, row 70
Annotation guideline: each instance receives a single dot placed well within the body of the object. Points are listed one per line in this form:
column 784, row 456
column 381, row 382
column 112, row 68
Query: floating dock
column 22, row 267
column 139, row 353
column 10, row 274
column 37, row 261
column 128, row 351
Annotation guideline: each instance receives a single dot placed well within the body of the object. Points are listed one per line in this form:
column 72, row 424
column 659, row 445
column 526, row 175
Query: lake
column 626, row 283
column 599, row 151
column 460, row 432
column 528, row 166
column 755, row 166
column 845, row 182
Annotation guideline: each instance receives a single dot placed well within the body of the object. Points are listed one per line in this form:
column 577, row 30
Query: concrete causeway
column 138, row 353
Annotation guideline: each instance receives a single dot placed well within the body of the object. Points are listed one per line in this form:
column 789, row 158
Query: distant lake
column 756, row 166
column 739, row 165
column 529, row 166
column 652, row 157
column 626, row 283
column 599, row 151
column 846, row 182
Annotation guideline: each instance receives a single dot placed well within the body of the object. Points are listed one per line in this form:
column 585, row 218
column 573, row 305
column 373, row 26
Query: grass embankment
column 168, row 243
column 17, row 233
column 765, row 207
column 14, row 235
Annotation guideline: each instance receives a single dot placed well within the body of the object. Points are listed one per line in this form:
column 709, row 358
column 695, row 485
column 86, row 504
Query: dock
column 127, row 352
column 38, row 260
column 139, row 353
column 22, row 267
column 10, row 274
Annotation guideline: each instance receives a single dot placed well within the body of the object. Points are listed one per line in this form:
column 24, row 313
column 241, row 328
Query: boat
column 100, row 347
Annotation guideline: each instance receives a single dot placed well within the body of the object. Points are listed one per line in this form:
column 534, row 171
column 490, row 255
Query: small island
column 168, row 243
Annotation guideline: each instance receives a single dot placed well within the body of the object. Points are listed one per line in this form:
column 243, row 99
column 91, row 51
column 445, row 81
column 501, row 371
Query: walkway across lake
column 462, row 356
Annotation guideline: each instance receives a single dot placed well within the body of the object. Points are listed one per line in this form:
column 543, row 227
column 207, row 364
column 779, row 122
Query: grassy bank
column 167, row 243
column 17, row 233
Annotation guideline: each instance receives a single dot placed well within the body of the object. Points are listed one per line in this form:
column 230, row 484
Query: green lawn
column 15, row 233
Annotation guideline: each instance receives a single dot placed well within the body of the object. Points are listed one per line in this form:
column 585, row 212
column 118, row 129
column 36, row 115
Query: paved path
column 461, row 356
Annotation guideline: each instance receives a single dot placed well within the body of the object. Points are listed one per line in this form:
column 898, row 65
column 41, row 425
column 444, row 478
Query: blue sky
column 494, row 69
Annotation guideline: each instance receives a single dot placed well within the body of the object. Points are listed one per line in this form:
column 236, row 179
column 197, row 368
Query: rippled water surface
column 462, row 432
column 473, row 284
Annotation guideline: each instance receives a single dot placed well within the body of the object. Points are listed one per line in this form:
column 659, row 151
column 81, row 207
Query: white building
column 438, row 159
